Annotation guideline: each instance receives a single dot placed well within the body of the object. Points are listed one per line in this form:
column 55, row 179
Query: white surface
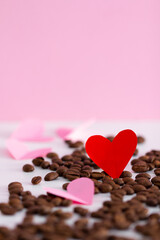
column 11, row 170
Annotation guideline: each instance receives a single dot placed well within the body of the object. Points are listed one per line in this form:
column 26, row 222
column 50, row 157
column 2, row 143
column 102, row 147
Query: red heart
column 113, row 156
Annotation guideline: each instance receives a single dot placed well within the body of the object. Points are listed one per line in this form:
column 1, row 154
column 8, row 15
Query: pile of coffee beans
column 114, row 214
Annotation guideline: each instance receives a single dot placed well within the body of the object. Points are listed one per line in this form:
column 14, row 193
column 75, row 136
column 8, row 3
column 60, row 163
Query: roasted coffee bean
column 58, row 161
column 15, row 188
column 105, row 187
column 61, row 170
column 138, row 188
column 97, row 175
column 54, row 166
column 66, row 203
column 156, row 163
column 81, row 211
column 36, row 180
column 71, row 177
column 28, row 168
column 67, row 158
column 14, row 184
column 140, row 166
column 140, row 139
column 118, row 181
column 65, row 185
column 51, row 176
column 157, row 171
column 52, row 155
column 143, row 175
column 129, row 189
column 76, row 144
column 37, row 161
column 16, row 203
column 85, row 173
column 134, row 161
column 156, row 181
column 144, row 181
column 135, row 152
column 110, row 138
column 126, row 174
column 6, row 209
column 45, row 164
column 151, row 201
column 120, row 221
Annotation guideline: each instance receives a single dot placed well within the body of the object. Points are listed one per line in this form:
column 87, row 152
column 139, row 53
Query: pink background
column 70, row 59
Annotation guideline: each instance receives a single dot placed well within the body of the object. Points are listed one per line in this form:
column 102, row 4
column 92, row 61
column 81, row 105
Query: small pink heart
column 80, row 190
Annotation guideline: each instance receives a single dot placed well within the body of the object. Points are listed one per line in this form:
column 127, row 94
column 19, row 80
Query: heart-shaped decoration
column 80, row 190
column 113, row 156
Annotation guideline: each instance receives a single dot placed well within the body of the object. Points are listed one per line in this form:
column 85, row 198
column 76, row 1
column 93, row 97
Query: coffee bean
column 54, row 166
column 16, row 203
column 156, row 181
column 151, row 201
column 51, row 176
column 157, row 171
column 81, row 211
column 140, row 166
column 144, row 181
column 118, row 181
column 61, row 170
column 36, row 180
column 143, row 175
column 37, row 161
column 129, row 189
column 76, row 144
column 139, row 188
column 6, row 209
column 104, row 187
column 14, row 184
column 120, row 221
column 52, row 155
column 140, row 139
column 126, row 174
column 28, row 168
column 45, row 164
column 97, row 175
column 66, row 203
column 65, row 185
column 135, row 152
column 110, row 138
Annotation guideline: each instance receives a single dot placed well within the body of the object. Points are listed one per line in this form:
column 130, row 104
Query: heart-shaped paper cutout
column 31, row 130
column 20, row 151
column 80, row 190
column 113, row 156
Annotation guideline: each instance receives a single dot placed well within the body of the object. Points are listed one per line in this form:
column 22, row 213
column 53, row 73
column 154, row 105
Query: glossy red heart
column 113, row 156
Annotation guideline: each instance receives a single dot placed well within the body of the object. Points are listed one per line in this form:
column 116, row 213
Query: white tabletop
column 11, row 170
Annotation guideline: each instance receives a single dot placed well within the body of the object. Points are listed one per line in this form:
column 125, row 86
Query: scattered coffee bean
column 140, row 139
column 81, row 211
column 157, row 171
column 45, row 164
column 28, row 168
column 65, row 185
column 52, row 155
column 36, row 180
column 38, row 161
column 156, row 181
column 105, row 187
column 126, row 174
column 51, row 176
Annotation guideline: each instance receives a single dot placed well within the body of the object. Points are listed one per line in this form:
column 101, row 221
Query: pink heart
column 31, row 130
column 80, row 190
column 19, row 150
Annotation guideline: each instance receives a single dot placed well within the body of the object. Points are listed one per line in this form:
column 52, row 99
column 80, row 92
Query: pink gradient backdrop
column 70, row 59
